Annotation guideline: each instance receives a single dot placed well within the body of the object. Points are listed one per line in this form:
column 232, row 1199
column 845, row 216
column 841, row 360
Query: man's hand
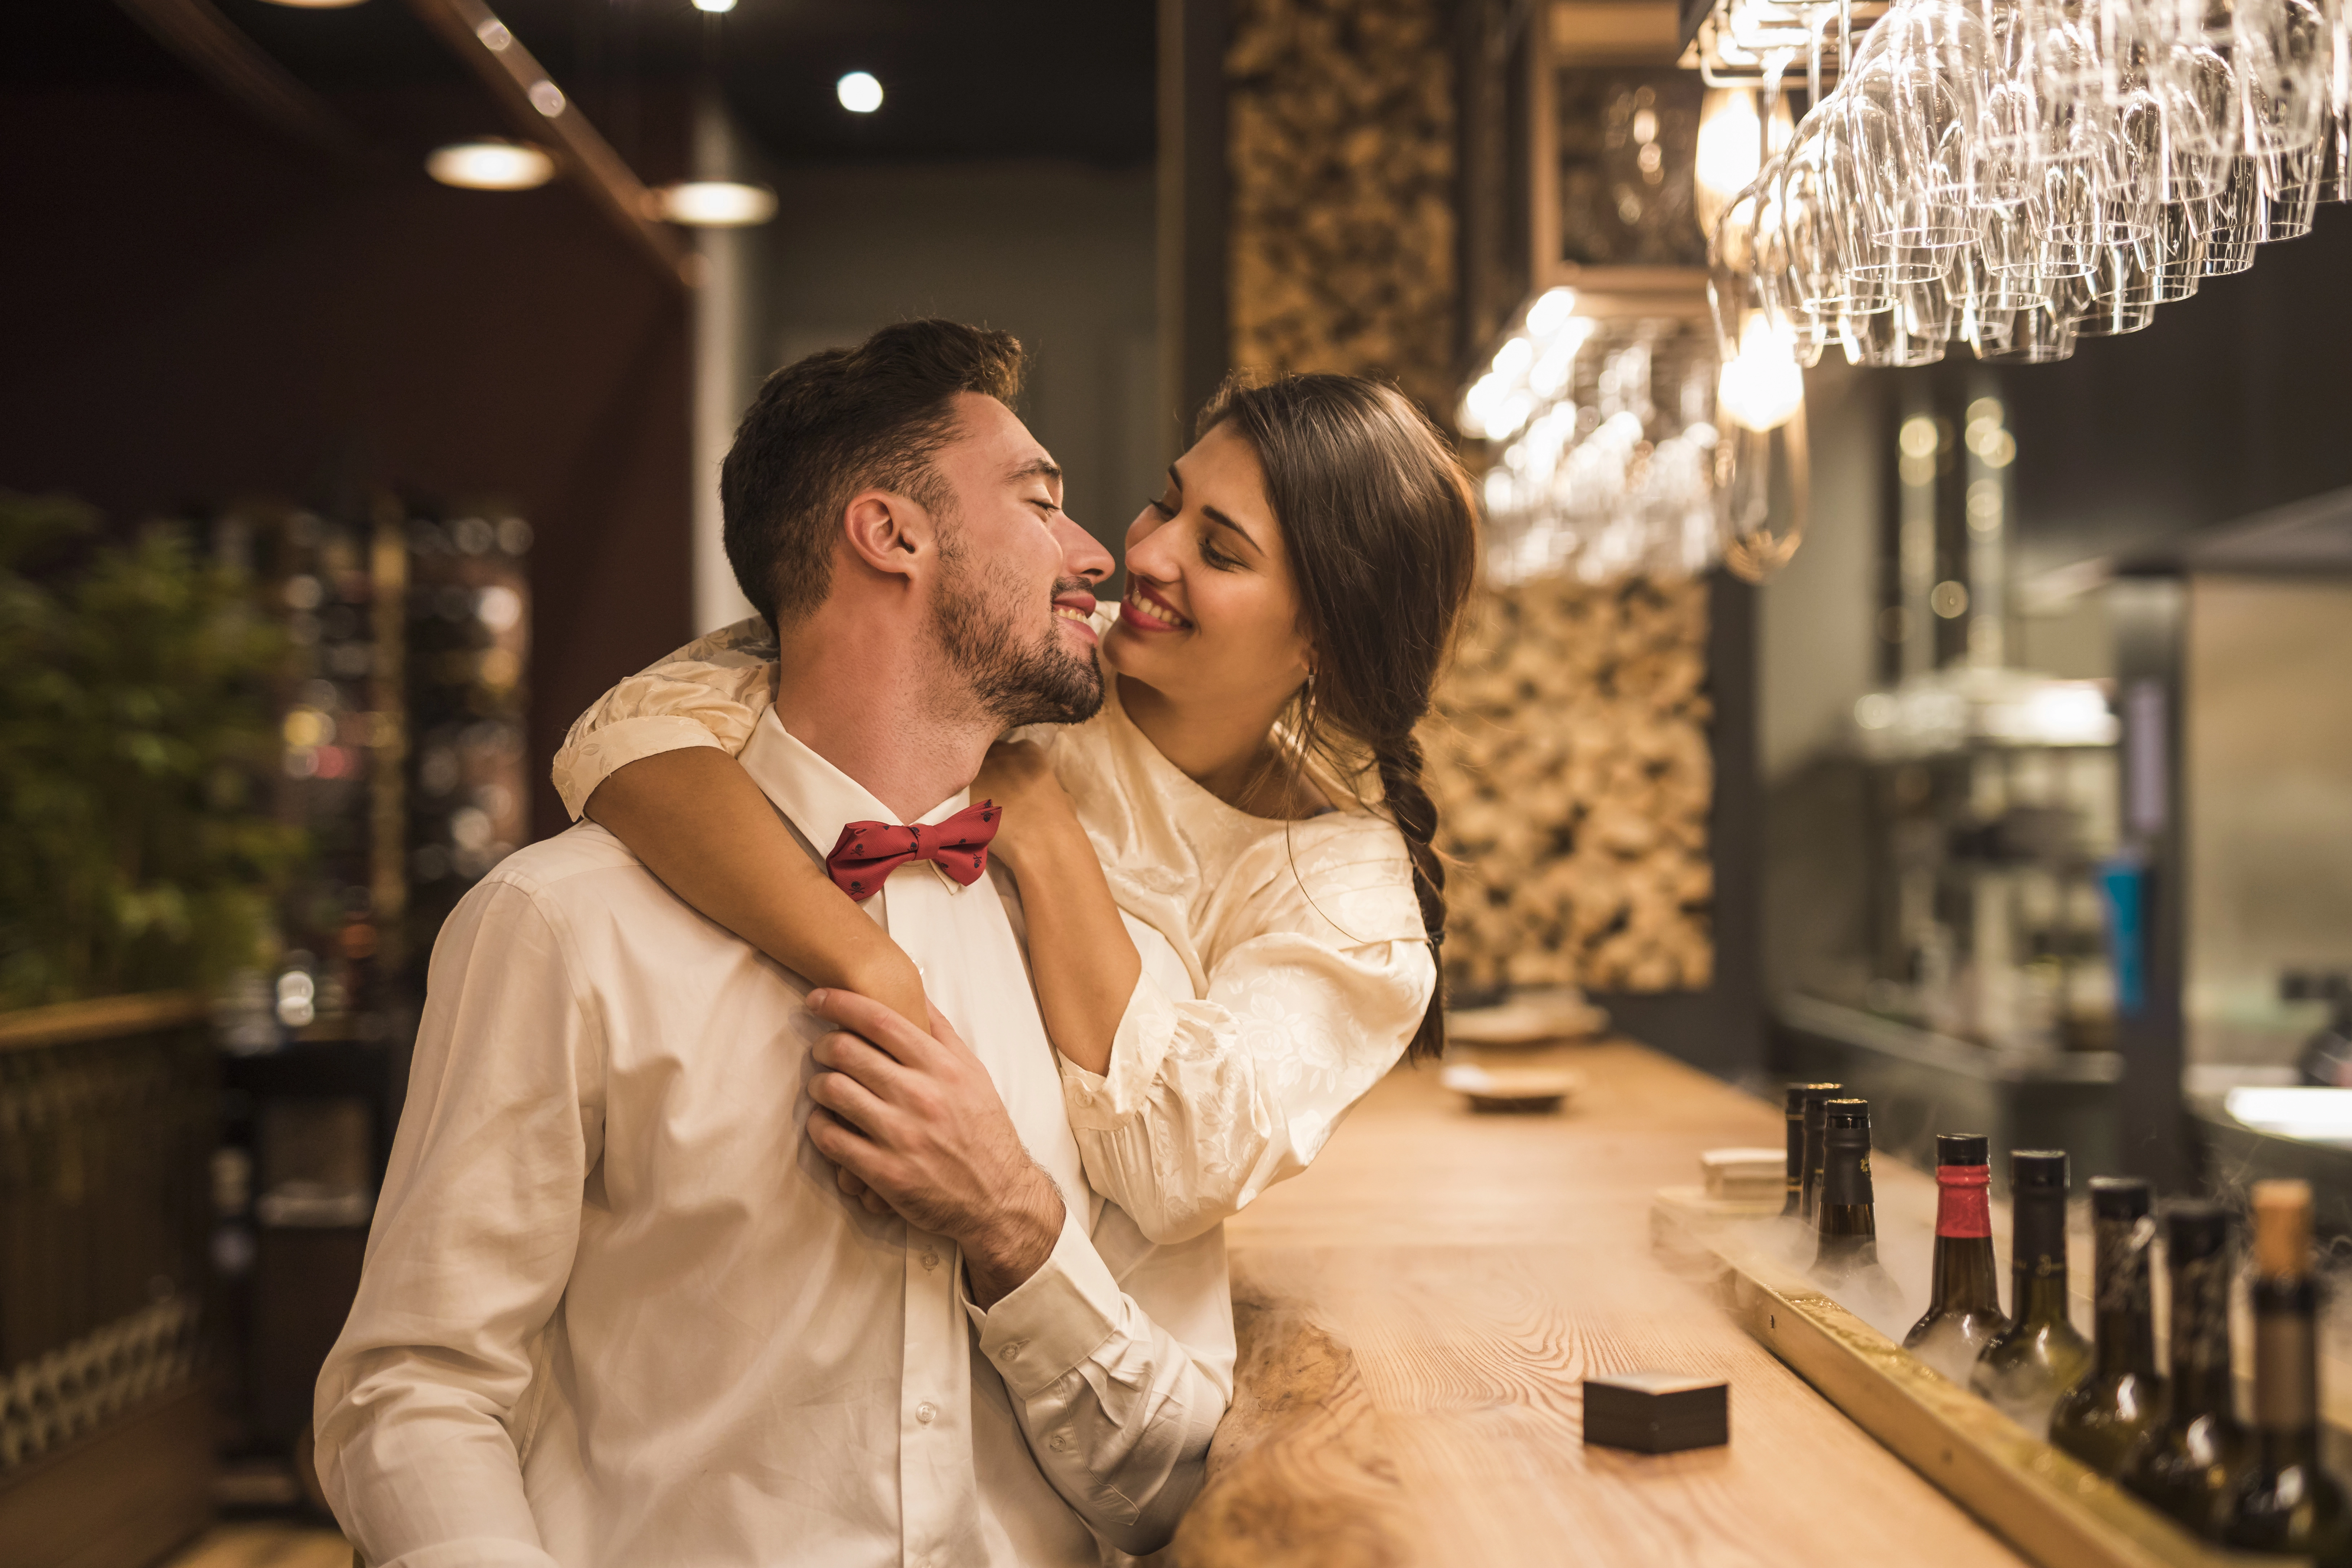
column 918, row 1120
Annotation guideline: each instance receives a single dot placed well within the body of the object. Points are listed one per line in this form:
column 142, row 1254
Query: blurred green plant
column 135, row 719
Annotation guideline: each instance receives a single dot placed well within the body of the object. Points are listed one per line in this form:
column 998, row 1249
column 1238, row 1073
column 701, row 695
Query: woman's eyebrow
column 1222, row 521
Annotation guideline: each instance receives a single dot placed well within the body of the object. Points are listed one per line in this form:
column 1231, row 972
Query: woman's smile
column 1147, row 611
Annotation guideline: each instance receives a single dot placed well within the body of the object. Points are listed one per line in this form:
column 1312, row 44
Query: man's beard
column 977, row 616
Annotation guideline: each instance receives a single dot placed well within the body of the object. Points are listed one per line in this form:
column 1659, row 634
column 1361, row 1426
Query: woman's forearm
column 1085, row 961
column 698, row 823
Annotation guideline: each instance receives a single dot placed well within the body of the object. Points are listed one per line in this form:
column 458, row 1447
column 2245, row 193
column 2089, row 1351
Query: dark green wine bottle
column 2041, row 1354
column 1845, row 1259
column 2102, row 1419
column 1964, row 1298
column 2189, row 1466
column 2285, row 1502
column 1792, row 1204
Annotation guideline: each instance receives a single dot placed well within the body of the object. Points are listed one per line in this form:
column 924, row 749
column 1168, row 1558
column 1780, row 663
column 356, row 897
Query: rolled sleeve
column 1209, row 1102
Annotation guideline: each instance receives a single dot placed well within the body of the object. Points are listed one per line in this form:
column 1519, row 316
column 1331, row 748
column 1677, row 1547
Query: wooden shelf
column 2052, row 1509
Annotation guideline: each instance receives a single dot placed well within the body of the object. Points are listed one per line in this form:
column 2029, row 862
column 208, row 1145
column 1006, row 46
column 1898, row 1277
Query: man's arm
column 1117, row 1408
column 471, row 1246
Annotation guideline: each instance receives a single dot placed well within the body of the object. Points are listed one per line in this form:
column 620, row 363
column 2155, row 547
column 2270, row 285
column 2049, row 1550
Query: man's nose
column 1082, row 553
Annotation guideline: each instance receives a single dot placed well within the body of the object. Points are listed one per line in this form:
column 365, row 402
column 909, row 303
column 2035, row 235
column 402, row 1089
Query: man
column 618, row 1309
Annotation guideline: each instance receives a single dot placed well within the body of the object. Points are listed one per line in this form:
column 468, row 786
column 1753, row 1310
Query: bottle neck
column 1794, row 1193
column 2038, row 1257
column 2286, row 1371
column 1849, row 1236
column 2200, row 1338
column 1964, row 1278
column 2125, row 1324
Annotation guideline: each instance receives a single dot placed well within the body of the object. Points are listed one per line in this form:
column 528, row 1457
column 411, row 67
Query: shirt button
column 1061, row 1440
column 931, row 1258
column 1012, row 1351
column 927, row 1413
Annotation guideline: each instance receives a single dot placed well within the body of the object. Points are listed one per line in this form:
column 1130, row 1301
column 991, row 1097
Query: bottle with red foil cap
column 1964, row 1300
column 2102, row 1419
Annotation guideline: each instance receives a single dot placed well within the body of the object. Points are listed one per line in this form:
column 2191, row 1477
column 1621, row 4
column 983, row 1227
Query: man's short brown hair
column 839, row 422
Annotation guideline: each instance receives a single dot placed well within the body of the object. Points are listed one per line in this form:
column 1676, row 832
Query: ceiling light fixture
column 490, row 165
column 859, row 92
column 716, row 8
column 714, row 204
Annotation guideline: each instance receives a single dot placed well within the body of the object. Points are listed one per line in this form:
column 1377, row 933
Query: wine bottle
column 2285, row 1502
column 1792, row 1206
column 2039, row 1355
column 2102, row 1419
column 1964, row 1300
column 2189, row 1466
column 1845, row 1261
column 1809, row 1197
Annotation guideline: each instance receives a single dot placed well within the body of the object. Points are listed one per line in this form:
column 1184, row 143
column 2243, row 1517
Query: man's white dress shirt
column 616, row 1312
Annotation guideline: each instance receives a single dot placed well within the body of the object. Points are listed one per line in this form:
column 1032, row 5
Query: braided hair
column 1379, row 526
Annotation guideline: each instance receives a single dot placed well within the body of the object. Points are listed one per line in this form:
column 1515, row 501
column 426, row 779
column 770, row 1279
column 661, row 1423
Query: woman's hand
column 1019, row 778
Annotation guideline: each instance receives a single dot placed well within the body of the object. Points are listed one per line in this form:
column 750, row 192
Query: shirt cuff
column 579, row 769
column 1054, row 1319
column 1100, row 1102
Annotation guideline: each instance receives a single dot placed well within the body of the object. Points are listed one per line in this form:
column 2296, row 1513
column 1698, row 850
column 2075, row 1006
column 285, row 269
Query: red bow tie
column 869, row 851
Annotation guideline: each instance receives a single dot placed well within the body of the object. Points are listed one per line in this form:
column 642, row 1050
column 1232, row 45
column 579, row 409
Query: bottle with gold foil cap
column 1815, row 1150
column 1792, row 1206
column 2285, row 1502
column 2102, row 1419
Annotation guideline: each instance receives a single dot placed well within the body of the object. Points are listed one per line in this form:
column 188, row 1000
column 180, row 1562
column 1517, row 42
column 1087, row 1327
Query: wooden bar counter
column 1418, row 1312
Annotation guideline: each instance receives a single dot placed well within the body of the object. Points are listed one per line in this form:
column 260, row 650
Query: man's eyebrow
column 1036, row 467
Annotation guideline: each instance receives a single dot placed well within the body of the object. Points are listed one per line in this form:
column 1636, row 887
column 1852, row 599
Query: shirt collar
column 818, row 798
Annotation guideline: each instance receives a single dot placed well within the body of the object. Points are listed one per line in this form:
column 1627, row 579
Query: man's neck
column 869, row 699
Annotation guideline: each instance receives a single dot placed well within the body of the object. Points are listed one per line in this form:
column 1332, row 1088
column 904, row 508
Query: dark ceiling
column 1015, row 79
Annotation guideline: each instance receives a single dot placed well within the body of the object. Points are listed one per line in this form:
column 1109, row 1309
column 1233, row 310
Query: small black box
column 1656, row 1411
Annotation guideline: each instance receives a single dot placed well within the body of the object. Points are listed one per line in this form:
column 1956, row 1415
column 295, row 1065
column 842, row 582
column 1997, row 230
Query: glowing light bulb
column 859, row 92
column 715, row 204
column 1729, row 155
column 490, row 167
column 1761, row 386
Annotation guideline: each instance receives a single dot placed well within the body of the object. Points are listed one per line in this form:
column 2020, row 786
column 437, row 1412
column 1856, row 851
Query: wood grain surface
column 1418, row 1312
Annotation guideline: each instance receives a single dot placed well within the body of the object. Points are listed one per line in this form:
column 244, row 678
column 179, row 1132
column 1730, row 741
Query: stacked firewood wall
column 1340, row 156
column 1568, row 756
column 1569, row 761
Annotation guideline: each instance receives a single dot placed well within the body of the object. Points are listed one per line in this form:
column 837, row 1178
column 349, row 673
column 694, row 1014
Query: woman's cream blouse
column 1285, row 964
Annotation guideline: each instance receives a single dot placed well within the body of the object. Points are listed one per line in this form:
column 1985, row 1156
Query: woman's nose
column 1148, row 554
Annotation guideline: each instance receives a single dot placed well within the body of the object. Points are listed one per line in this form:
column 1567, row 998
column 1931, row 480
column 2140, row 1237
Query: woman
column 1231, row 903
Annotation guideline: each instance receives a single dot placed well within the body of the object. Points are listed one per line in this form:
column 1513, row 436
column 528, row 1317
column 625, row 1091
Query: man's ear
column 887, row 531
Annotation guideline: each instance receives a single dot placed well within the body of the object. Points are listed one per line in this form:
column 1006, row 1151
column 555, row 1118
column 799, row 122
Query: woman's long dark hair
column 1380, row 529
